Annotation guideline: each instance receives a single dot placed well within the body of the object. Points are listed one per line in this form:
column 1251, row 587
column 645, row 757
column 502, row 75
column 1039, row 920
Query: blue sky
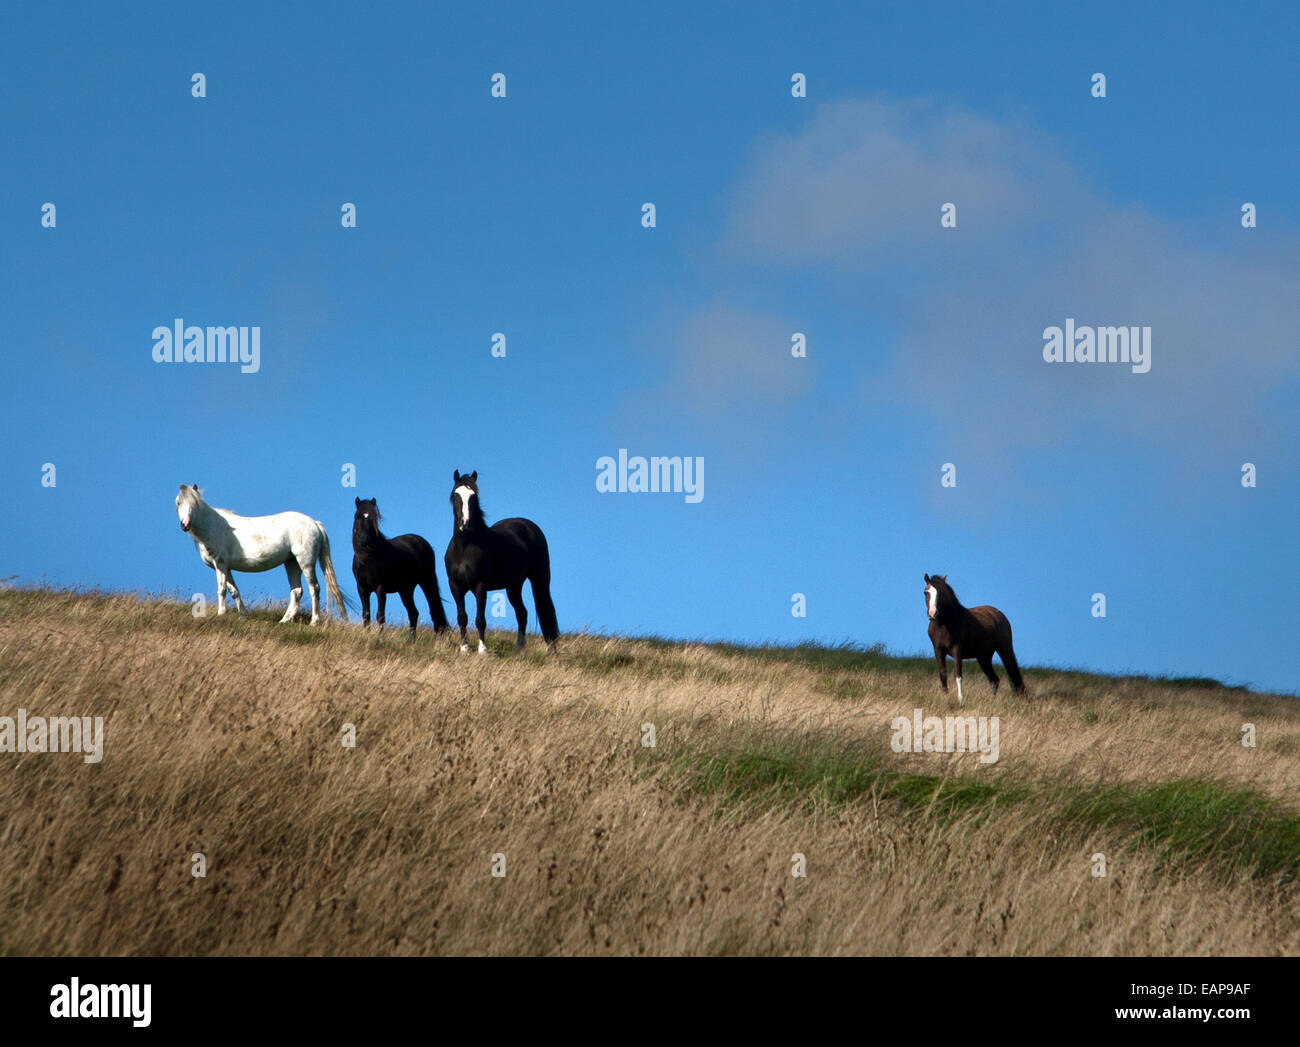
column 774, row 215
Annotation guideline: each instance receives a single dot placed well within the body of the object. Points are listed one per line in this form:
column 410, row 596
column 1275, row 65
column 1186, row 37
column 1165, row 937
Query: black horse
column 482, row 558
column 974, row 632
column 393, row 565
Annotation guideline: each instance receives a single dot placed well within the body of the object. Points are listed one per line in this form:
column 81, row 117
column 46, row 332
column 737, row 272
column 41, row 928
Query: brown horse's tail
column 1012, row 667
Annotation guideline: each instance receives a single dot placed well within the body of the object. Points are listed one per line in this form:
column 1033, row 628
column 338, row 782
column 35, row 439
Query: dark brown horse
column 968, row 632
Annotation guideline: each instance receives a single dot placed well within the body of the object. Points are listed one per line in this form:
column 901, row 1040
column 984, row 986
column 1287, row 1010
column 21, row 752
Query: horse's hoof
column 519, row 646
column 482, row 647
column 550, row 649
column 464, row 648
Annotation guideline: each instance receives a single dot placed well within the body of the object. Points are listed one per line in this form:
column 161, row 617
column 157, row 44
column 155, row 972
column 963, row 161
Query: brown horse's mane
column 947, row 606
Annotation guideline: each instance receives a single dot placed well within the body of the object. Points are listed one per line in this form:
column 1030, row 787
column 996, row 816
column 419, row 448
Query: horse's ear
column 358, row 501
column 182, row 487
column 944, row 577
column 455, row 476
column 474, row 476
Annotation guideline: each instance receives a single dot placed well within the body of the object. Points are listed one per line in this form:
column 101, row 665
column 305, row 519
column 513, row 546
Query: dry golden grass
column 223, row 736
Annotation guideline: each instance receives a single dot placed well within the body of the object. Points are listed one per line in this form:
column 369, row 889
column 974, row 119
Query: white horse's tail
column 332, row 591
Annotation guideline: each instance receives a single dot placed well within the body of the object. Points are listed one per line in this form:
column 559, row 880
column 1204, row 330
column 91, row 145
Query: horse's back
column 992, row 619
column 521, row 549
column 415, row 546
column 268, row 541
column 272, row 523
column 525, row 532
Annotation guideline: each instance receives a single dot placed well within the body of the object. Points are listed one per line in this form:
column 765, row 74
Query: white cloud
column 866, row 179
column 856, row 196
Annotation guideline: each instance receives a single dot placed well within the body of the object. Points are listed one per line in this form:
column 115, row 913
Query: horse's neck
column 952, row 613
column 479, row 537
column 212, row 531
column 207, row 521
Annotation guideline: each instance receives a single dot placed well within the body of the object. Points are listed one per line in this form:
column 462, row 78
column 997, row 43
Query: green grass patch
column 1188, row 823
column 772, row 771
column 629, row 664
column 1196, row 820
column 304, row 637
column 829, row 658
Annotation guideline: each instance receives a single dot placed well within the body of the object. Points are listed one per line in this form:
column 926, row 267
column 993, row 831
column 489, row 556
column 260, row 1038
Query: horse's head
column 187, row 504
column 365, row 525
column 464, row 500
column 937, row 591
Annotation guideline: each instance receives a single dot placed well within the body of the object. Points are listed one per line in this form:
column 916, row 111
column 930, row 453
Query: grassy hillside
column 224, row 736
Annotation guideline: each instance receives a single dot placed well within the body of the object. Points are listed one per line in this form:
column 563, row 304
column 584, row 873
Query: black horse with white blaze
column 384, row 565
column 481, row 559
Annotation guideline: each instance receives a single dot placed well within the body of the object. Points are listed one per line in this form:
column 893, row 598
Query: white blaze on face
column 932, row 595
column 464, row 493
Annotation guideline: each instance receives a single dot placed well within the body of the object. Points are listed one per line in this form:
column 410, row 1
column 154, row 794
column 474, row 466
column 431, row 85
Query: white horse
column 229, row 542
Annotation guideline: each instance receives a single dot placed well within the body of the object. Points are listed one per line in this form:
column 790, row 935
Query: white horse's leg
column 313, row 586
column 221, row 591
column 234, row 591
column 294, row 572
